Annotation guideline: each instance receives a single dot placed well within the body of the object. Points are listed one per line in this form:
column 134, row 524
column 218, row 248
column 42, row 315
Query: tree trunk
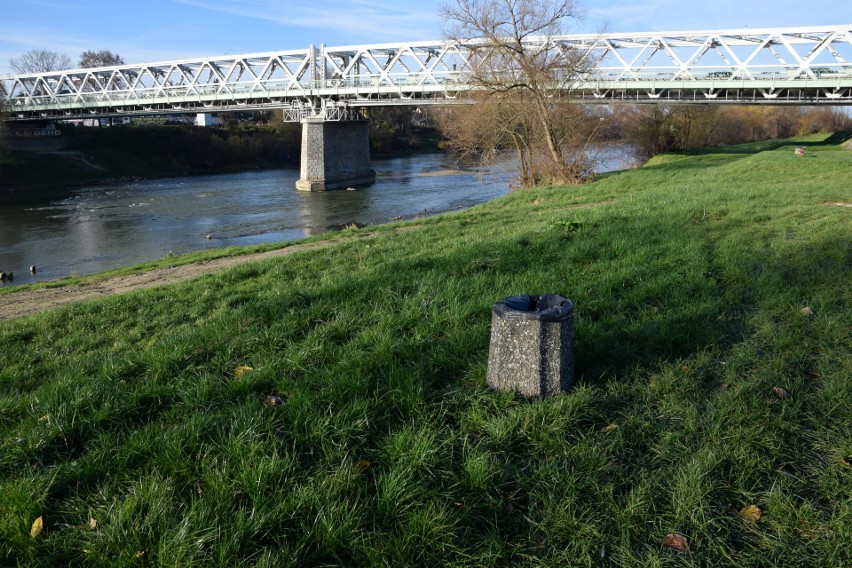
column 552, row 147
column 524, row 173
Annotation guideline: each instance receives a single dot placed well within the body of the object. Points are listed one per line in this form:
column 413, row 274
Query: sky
column 163, row 30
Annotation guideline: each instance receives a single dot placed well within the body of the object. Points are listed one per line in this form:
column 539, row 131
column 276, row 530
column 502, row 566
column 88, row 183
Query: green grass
column 688, row 279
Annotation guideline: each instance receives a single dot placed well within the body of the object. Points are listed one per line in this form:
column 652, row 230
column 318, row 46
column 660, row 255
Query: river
column 99, row 228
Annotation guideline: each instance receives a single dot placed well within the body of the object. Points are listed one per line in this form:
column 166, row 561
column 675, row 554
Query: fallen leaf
column 273, row 401
column 362, row 465
column 37, row 527
column 44, row 418
column 807, row 311
column 93, row 523
column 610, row 428
column 242, row 370
column 780, row 393
column 847, row 461
column 751, row 513
column 676, row 541
column 140, row 555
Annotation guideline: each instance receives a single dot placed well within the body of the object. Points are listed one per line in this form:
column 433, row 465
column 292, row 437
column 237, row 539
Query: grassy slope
column 688, row 279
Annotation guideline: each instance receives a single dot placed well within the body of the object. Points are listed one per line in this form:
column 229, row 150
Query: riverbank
column 92, row 156
column 95, row 156
column 56, row 293
column 329, row 406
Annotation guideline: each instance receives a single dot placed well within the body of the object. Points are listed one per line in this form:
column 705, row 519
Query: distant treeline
column 186, row 149
column 656, row 129
column 156, row 148
column 659, row 128
column 264, row 140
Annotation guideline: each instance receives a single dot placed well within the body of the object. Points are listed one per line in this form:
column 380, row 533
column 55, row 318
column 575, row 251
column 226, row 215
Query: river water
column 92, row 229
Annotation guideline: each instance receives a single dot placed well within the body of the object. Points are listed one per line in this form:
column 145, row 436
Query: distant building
column 35, row 137
column 99, row 122
column 207, row 119
column 34, row 130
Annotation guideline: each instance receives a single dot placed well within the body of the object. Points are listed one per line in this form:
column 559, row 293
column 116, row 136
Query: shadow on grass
column 367, row 348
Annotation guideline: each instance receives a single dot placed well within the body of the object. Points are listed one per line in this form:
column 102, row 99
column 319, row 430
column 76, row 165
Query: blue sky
column 157, row 30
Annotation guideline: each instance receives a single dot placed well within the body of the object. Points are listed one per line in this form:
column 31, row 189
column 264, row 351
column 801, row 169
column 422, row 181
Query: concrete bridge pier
column 335, row 155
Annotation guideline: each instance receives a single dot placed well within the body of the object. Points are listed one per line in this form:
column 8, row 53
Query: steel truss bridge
column 801, row 65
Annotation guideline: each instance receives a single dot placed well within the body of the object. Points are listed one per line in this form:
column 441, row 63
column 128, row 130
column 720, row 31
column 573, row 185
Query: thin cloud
column 670, row 15
column 18, row 40
column 370, row 20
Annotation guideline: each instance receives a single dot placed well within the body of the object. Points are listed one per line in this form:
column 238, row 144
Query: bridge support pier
column 335, row 155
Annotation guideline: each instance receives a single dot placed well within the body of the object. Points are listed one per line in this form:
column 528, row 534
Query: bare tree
column 39, row 61
column 103, row 58
column 524, row 75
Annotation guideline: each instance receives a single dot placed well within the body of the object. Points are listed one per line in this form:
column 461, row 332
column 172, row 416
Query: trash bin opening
column 546, row 302
column 545, row 307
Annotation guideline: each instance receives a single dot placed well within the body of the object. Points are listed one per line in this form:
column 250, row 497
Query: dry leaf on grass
column 37, row 527
column 807, row 311
column 362, row 465
column 751, row 513
column 242, row 370
column 93, row 523
column 140, row 555
column 779, row 393
column 273, row 400
column 610, row 428
column 676, row 541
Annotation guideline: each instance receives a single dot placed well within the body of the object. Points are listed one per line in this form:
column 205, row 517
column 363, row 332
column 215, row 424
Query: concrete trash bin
column 531, row 349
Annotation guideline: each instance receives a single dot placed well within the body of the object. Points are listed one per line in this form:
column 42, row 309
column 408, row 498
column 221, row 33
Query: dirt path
column 20, row 304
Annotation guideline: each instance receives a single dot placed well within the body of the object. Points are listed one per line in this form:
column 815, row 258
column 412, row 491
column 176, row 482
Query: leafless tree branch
column 39, row 61
column 516, row 57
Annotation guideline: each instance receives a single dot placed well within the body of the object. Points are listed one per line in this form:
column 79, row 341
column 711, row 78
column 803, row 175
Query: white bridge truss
column 802, row 65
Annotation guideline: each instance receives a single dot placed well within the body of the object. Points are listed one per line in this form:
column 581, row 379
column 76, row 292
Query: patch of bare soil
column 27, row 302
